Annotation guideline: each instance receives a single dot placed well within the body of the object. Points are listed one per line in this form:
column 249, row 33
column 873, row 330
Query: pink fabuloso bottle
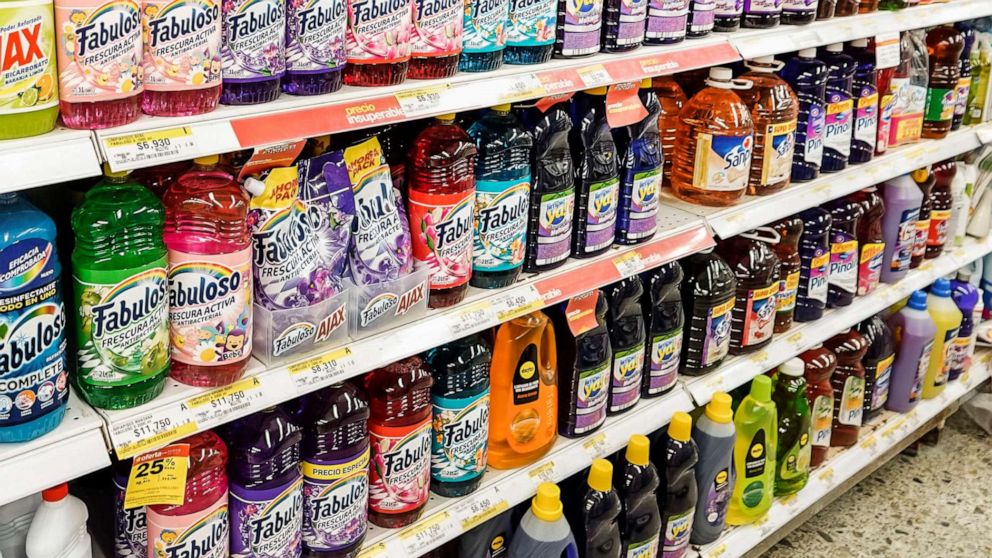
column 206, row 232
column 378, row 42
column 100, row 74
column 254, row 51
column 182, row 56
column 437, row 38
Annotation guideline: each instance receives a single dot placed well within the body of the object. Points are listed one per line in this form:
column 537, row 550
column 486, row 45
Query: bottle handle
column 775, row 66
column 763, row 234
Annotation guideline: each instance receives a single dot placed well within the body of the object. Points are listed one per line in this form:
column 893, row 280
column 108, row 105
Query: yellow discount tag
column 158, row 477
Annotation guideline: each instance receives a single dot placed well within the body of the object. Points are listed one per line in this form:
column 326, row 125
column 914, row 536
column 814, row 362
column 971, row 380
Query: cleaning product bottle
column 378, row 41
column 865, row 96
column 964, row 82
column 523, row 419
column 795, row 428
column 839, row 129
column 667, row 22
column 727, row 16
column 714, row 436
column 662, row 306
column 491, row 539
column 598, row 527
column 672, row 99
column 878, row 361
column 436, row 41
column 798, row 12
column 843, row 278
column 944, row 45
column 757, row 270
column 820, row 364
column 200, row 522
column 708, row 301
column 714, row 141
column 909, row 85
column 789, row 231
column 58, row 527
column 640, row 188
column 210, row 255
column 848, row 382
column 543, row 530
column 314, row 59
column 774, row 111
column 552, row 195
column 941, row 205
column 623, row 24
column 814, row 253
column 485, row 36
column 967, row 299
column 584, row 357
column 119, row 262
column 808, row 78
column 947, row 318
column 756, row 423
column 531, row 30
column 253, row 54
column 925, row 180
column 902, row 208
column 913, row 332
column 626, row 325
column 846, row 8
column 130, row 525
column 597, row 178
column 886, row 98
column 700, row 22
column 678, row 499
column 871, row 240
column 460, row 399
column 34, row 371
column 962, row 187
column 762, row 14
column 578, row 33
column 30, row 98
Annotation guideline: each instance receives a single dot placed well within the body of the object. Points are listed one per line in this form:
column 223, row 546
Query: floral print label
column 379, row 31
column 437, row 27
column 500, row 224
column 723, row 163
column 335, row 502
column 315, row 31
column 532, row 22
column 590, row 398
column 442, row 239
column 400, row 477
column 203, row 534
column 583, row 20
column 485, row 25
column 182, row 44
column 460, row 437
column 254, row 40
column 28, row 58
column 266, row 523
column 601, row 214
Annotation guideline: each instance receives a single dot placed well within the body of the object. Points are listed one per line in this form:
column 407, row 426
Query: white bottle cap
column 792, row 367
column 807, row 53
column 254, row 186
column 764, row 60
column 860, row 43
column 836, row 47
column 721, row 73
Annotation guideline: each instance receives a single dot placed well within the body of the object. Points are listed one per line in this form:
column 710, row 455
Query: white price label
column 471, row 318
column 521, row 88
column 139, row 149
column 595, row 76
column 629, row 264
column 149, row 431
column 425, row 534
column 420, row 101
column 216, row 406
column 480, row 507
column 323, row 369
column 887, row 50
column 516, row 303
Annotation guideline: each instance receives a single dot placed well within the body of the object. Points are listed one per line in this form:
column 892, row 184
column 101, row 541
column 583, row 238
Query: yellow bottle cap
column 113, row 174
column 596, row 91
column 920, row 175
column 646, row 83
column 505, row 107
column 207, row 160
column 446, row 117
column 601, row 475
column 718, row 409
column 681, row 427
column 638, row 450
column 546, row 506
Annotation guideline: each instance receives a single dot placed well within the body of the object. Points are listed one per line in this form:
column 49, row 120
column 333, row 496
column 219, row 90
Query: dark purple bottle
column 878, row 362
column 814, row 253
column 808, row 78
column 843, row 278
column 762, row 14
column 315, row 46
column 865, row 97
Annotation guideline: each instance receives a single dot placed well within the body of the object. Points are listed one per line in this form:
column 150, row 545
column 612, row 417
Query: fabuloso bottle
column 378, row 42
column 626, row 325
column 437, row 38
column 756, row 422
column 29, row 103
column 662, row 307
column 596, row 522
column 714, row 437
column 254, row 51
column 637, row 482
column 315, row 46
column 947, row 318
column 585, row 357
column 794, row 429
column 485, row 35
column 531, row 29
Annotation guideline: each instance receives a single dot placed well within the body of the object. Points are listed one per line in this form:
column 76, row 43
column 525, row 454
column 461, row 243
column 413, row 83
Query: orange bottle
column 774, row 111
column 672, row 100
column 523, row 407
column 944, row 45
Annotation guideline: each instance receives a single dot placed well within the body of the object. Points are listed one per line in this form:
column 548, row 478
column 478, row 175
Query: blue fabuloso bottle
column 485, row 35
column 640, row 187
column 33, row 372
column 808, row 78
column 530, row 31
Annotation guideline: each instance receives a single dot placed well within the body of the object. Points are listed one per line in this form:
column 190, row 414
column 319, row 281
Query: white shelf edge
column 58, row 156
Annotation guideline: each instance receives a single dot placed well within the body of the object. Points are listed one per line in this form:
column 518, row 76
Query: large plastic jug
column 58, row 529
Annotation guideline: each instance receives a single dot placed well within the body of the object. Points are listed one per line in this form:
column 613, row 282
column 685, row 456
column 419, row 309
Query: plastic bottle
column 460, row 400
column 839, row 129
column 531, row 32
column 944, row 45
column 871, row 240
column 641, row 171
column 130, row 526
column 488, row 540
column 795, row 428
column 902, row 209
column 253, row 51
column 627, row 337
column 878, row 364
column 436, row 40
column 29, row 100
column 523, row 420
column 947, row 318
column 667, row 22
column 597, row 178
column 967, row 299
column 714, row 142
column 909, row 85
column 825, row 9
column 913, row 332
column 195, row 49
column 981, row 58
column 762, row 14
column 798, row 12
column 200, row 523
column 865, row 95
column 485, row 35
column 678, row 498
column 209, row 242
column 708, row 300
column 755, row 448
column 315, row 58
column 637, row 482
column 578, row 33
column 774, row 112
column 543, row 532
column 789, row 231
column 700, row 22
column 757, row 270
column 714, row 437
column 623, row 24
column 378, row 42
column 925, row 180
column 58, row 528
column 814, row 253
column 552, row 195
column 440, row 203
column 964, row 82
column 845, row 214
column 597, row 524
column 848, row 382
column 941, row 205
column 962, row 186
column 119, row 260
column 867, row 6
column 808, row 78
column 585, row 357
column 672, row 99
column 820, row 364
column 886, row 100
column 662, row 306
column 846, row 8
column 727, row 16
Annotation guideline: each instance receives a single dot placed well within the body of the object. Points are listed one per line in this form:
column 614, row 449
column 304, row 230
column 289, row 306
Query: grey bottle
column 714, row 436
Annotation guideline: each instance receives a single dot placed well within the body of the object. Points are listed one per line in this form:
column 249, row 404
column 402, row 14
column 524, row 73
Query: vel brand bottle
column 964, row 83
column 820, row 364
column 808, row 78
column 210, row 255
column 756, row 423
column 667, row 21
column 597, row 178
column 762, row 14
column 400, row 433
column 672, row 99
column 878, row 364
column 531, row 30
column 789, row 231
column 637, row 482
column 848, row 382
column 626, row 325
column 119, row 263
column 700, row 18
column 579, row 32
column 798, row 12
column 774, row 110
column 967, row 299
column 914, row 333
column 839, row 129
column 597, row 525
column 378, row 42
column 315, row 52
column 641, row 168
column 947, row 318
column 585, row 358
column 708, row 299
column 865, row 96
column 814, row 253
column 441, row 202
column 871, row 240
column 941, row 206
column 714, row 437
column 795, row 428
column 623, row 24
column 727, row 15
column 485, row 35
column 677, row 499
column 253, row 54
column 757, row 271
column 662, row 307
column 944, row 45
column 436, row 40
column 460, row 400
column 843, row 276
column 30, row 99
column 902, row 209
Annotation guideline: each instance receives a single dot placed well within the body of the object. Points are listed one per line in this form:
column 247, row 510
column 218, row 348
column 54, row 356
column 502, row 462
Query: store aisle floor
column 938, row 503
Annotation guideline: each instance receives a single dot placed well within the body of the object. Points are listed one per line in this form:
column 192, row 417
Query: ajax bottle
column 34, row 381
column 871, row 240
column 485, row 35
column 839, row 130
column 680, row 457
column 878, row 364
column 902, row 208
column 210, row 255
column 598, row 526
column 774, row 110
column 727, row 16
column 524, row 403
column 58, row 527
column 714, row 437
column 315, row 53
column 637, row 482
column 914, row 333
column 820, row 364
column 941, row 207
column 29, row 100
column 848, row 382
column 378, row 42
column 944, row 45
column 543, row 531
column 531, row 31
column 626, row 325
column 585, row 358
column 460, row 398
column 865, row 95
column 119, row 262
column 795, row 427
column 662, row 307
column 762, row 14
column 640, row 190
column 714, row 141
column 814, row 253
column 597, row 178
column 400, row 433
column 947, row 318
column 756, row 422
column 502, row 193
column 925, row 180
column 441, row 202
column 579, row 31
column 843, row 276
column 623, row 24
column 671, row 98
column 253, row 53
column 708, row 300
column 700, row 18
column 436, row 38
column 808, row 78
column 789, row 231
column 757, row 270
column 667, row 22
column 798, row 12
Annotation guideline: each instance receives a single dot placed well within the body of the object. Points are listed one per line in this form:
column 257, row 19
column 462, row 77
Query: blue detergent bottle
column 33, row 373
column 808, row 78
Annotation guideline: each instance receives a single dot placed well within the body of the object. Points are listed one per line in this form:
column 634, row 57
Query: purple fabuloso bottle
column 253, row 53
column 130, row 531
column 315, row 53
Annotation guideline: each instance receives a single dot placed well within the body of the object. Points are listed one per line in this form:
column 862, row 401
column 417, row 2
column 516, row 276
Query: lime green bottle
column 794, row 428
column 29, row 100
column 756, row 422
column 119, row 275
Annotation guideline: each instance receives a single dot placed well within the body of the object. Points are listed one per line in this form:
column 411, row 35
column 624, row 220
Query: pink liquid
column 180, row 103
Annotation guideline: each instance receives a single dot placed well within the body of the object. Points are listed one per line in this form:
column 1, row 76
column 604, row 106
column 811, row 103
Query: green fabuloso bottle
column 756, row 422
column 794, row 428
column 119, row 274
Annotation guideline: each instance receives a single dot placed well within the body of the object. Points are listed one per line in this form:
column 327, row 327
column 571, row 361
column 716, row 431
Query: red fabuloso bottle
column 378, row 42
column 848, row 382
column 400, row 433
column 820, row 364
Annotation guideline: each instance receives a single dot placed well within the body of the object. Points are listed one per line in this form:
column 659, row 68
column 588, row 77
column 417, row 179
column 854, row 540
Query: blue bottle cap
column 918, row 300
column 941, row 287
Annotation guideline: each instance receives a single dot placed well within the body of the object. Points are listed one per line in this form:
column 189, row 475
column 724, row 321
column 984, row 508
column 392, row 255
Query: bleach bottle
column 58, row 528
column 543, row 531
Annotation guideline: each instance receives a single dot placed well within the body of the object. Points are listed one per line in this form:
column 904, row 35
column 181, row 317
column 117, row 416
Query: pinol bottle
column 840, row 109
column 814, row 252
column 485, row 35
column 378, row 42
column 254, row 51
column 640, row 188
column 578, row 34
column 437, row 38
column 531, row 30
column 808, row 78
column 315, row 46
column 865, row 95
column 623, row 24
column 667, row 21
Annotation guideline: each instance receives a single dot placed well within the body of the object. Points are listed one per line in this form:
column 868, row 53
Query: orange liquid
column 672, row 100
column 774, row 109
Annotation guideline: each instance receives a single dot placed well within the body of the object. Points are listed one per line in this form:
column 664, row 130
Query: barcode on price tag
column 423, row 100
column 471, row 318
column 480, row 508
column 521, row 88
column 149, row 431
column 517, row 303
column 425, row 534
column 322, row 369
column 595, row 76
column 629, row 264
column 128, row 151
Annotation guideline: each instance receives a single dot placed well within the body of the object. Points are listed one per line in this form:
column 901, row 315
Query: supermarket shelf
column 182, row 410
column 846, row 468
column 74, row 448
column 54, row 157
column 755, row 211
column 738, row 371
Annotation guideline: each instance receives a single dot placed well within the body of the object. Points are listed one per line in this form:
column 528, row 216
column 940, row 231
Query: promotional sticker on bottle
column 837, row 133
column 460, row 437
column 554, row 227
column 759, row 315
column 780, row 143
column 883, row 376
column 716, row 342
column 532, row 23
column 819, row 269
column 844, row 264
column 628, row 368
column 335, row 502
column 788, row 288
column 852, row 401
column 500, row 237
column 400, row 472
column 870, row 267
column 723, row 163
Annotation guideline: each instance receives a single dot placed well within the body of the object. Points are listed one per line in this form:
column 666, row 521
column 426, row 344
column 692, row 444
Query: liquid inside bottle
column 531, row 32
column 701, row 13
column 794, row 428
column 437, row 39
column 848, row 382
column 878, row 362
column 641, row 522
column 941, row 208
column 789, row 231
column 914, row 333
column 926, row 180
column 314, row 57
column 757, row 270
column 625, row 321
column 846, row 8
column 762, row 14
column 866, row 105
column 485, row 35
column 662, row 307
column 596, row 518
column 819, row 368
column 672, row 99
column 597, row 178
column 871, row 240
column 842, row 280
column 944, row 45
column 902, row 200
column 641, row 169
column 378, row 42
column 623, row 24
column 814, row 253
column 585, row 359
column 774, row 111
column 964, row 82
column 708, row 301
column 808, row 78
column 667, row 22
column 727, row 16
column 839, row 129
column 798, row 12
column 253, row 54
column 579, row 33
column 825, row 9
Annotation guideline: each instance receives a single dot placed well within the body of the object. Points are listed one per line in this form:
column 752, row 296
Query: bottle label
column 903, row 252
column 123, row 334
column 702, row 16
column 461, row 433
column 729, row 8
column 922, row 233
column 532, row 23
column 852, row 401
column 837, row 134
column 665, row 352
column 442, row 239
column 335, row 502
column 718, row 496
column 643, row 549
column 723, row 163
column 182, row 44
column 716, row 342
column 379, row 31
column 203, row 534
column 940, row 104
column 526, row 382
column 759, row 315
column 678, row 527
column 961, row 97
column 485, row 25
column 100, row 50
column 583, row 20
column 907, row 115
column 780, row 144
column 787, row 290
column 380, row 231
column 554, row 227
column 866, row 117
column 601, row 214
column 937, row 235
column 921, row 372
column 762, row 6
column 959, row 352
column 816, row 124
column 885, row 106
column 795, row 463
column 883, row 374
column 210, row 307
column 254, row 47
column 593, row 391
column 667, row 19
column 799, row 6
column 500, row 237
column 437, row 27
column 823, row 420
column 755, row 461
column 266, row 522
column 644, row 195
column 940, row 378
column 400, row 475
column 628, row 369
column 843, row 272
column 631, row 28
column 28, row 73
column 819, row 269
column 315, row 34
column 870, row 267
column 130, row 525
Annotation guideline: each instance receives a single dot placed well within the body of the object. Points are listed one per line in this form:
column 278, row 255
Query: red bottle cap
column 55, row 493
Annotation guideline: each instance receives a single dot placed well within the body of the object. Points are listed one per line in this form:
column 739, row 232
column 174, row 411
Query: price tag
column 127, row 151
column 887, row 50
column 796, row 340
column 826, row 474
column 150, row 431
column 760, row 358
column 158, row 477
column 217, row 406
column 718, row 551
column 629, row 264
column 424, row 535
column 420, row 101
column 322, row 369
column 377, row 549
column 544, row 472
column 523, row 87
column 480, row 508
column 517, row 303
column 869, row 443
column 596, row 446
column 595, row 76
column 471, row 318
